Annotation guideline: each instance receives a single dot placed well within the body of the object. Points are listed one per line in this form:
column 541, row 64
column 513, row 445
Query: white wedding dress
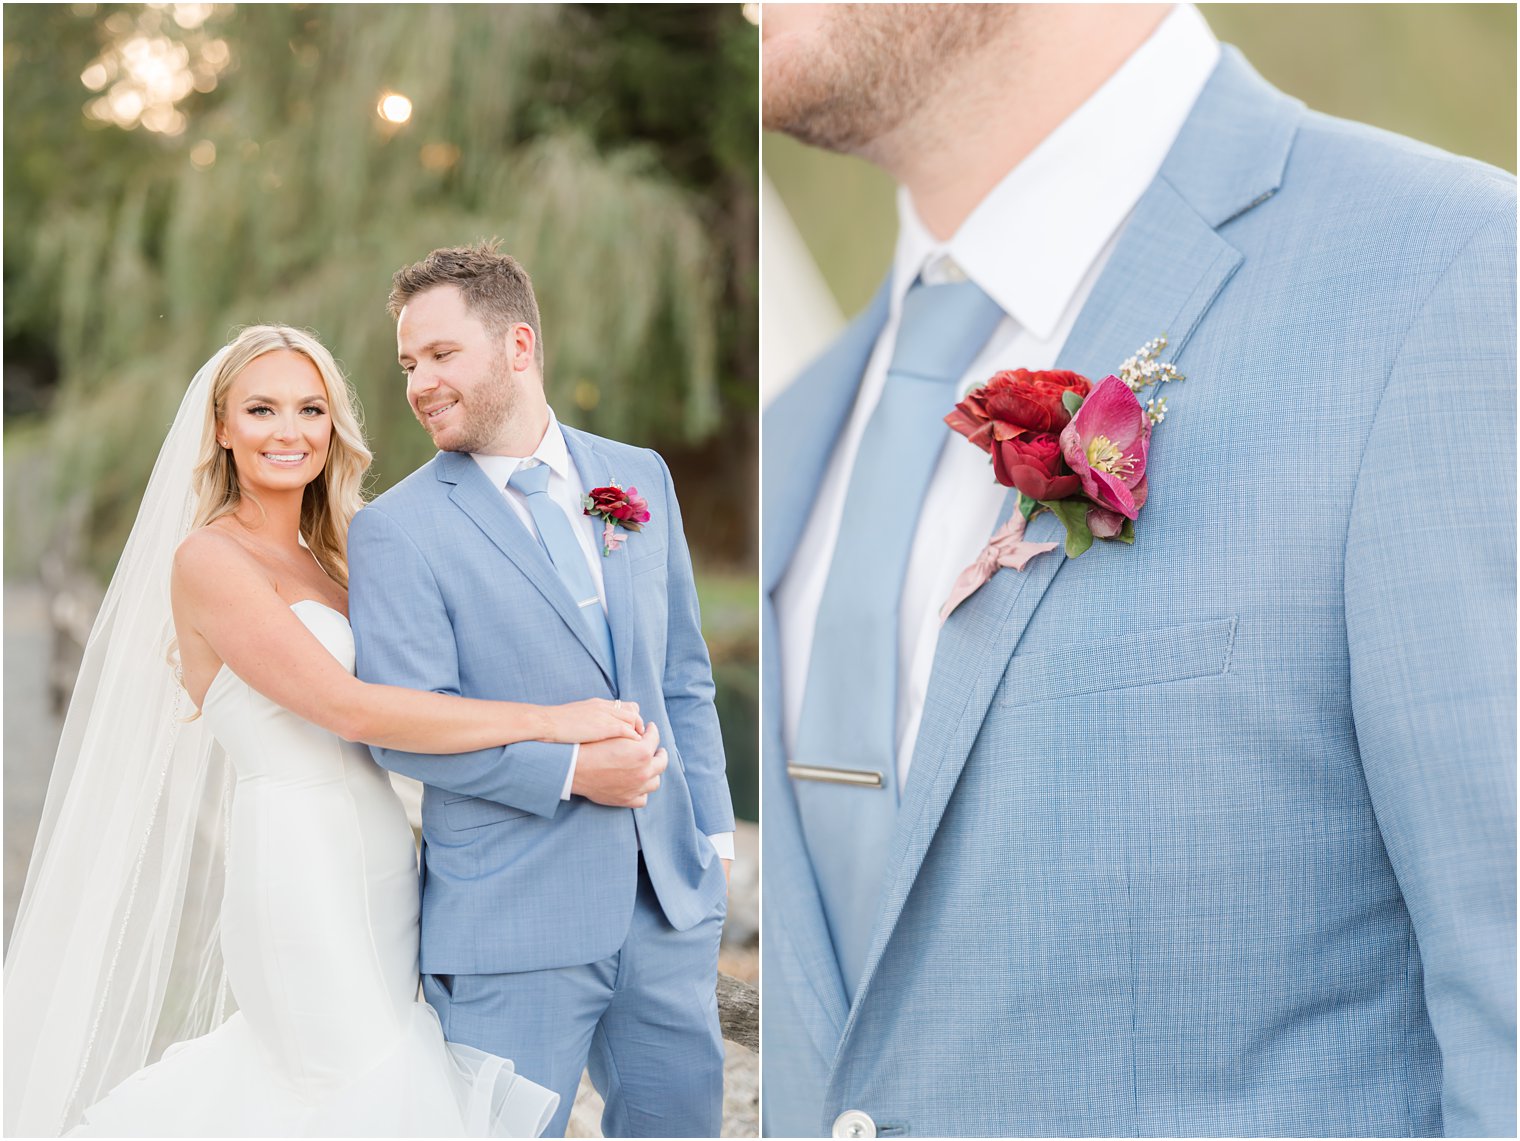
column 319, row 937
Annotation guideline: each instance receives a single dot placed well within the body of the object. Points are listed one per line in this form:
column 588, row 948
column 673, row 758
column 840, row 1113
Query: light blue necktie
column 845, row 754
column 558, row 539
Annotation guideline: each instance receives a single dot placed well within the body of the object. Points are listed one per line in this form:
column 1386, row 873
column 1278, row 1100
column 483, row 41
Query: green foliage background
column 613, row 148
column 1442, row 73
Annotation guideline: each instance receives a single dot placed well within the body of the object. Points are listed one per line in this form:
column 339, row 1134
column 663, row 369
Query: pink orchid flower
column 1105, row 445
column 638, row 509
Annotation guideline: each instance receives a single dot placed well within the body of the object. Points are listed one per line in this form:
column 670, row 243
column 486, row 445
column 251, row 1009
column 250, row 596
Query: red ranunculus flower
column 629, row 508
column 616, row 508
column 1033, row 464
column 1014, row 403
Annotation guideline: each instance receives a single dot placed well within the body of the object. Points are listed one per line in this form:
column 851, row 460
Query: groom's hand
column 619, row 772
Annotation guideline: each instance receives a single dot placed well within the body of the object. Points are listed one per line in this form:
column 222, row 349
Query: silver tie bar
column 863, row 778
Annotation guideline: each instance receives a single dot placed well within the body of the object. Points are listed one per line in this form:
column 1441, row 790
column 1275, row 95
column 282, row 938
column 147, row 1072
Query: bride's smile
column 276, row 422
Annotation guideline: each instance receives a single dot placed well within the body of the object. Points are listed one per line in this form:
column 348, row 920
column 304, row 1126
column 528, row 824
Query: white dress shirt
column 1036, row 245
column 567, row 491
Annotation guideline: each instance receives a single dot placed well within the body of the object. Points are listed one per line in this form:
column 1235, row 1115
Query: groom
column 573, row 896
column 1209, row 834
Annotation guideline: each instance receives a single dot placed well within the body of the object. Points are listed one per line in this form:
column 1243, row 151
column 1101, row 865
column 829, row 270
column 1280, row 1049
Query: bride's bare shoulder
column 211, row 560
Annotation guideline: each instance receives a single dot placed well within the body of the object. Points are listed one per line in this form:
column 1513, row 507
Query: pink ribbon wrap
column 611, row 540
column 1005, row 549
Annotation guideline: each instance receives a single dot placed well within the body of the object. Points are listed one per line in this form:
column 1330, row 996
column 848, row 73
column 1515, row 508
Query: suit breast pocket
column 646, row 561
column 468, row 812
column 1124, row 661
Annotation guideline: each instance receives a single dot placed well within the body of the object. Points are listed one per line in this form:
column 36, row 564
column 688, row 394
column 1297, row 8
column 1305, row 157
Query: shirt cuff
column 723, row 844
column 575, row 755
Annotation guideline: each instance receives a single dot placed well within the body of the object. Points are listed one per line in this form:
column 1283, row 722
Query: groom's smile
column 459, row 383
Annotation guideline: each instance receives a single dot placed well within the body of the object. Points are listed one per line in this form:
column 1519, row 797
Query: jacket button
column 854, row 1123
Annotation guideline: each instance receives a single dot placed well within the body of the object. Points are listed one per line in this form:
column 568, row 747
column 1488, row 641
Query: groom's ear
column 522, row 348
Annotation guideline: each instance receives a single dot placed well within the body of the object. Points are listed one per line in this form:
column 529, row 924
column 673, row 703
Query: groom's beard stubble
column 486, row 407
column 864, row 69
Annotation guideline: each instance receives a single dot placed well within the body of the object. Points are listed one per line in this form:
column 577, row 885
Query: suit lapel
column 596, row 470
column 800, row 428
column 1166, row 270
column 476, row 497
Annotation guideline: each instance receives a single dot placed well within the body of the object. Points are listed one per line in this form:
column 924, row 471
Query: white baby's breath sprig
column 1155, row 410
column 1144, row 369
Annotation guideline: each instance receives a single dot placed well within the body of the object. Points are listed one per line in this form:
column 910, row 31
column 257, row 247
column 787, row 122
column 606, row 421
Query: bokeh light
column 439, row 157
column 151, row 65
column 187, row 16
column 394, row 108
column 587, row 395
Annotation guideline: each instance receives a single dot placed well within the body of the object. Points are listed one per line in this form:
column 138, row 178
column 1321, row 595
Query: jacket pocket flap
column 1124, row 661
column 471, row 812
column 645, row 560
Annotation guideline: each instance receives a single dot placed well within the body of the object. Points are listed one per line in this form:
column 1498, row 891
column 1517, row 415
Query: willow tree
column 130, row 256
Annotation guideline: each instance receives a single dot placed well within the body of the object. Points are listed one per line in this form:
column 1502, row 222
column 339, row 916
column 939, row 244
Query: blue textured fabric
column 651, row 1037
column 849, row 708
column 1211, row 835
column 565, row 553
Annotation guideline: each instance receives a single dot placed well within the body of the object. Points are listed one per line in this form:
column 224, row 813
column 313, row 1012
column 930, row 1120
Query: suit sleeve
column 1430, row 615
column 403, row 636
column 688, row 683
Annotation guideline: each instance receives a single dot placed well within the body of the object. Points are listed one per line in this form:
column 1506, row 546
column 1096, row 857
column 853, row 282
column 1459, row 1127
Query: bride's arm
column 226, row 599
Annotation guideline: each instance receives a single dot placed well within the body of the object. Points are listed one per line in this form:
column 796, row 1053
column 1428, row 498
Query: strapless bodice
column 264, row 740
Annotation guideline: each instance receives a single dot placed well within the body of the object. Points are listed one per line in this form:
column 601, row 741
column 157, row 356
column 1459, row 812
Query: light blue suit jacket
column 1213, row 834
column 450, row 592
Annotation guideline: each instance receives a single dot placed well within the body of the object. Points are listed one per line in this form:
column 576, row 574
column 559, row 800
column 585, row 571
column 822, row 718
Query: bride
column 213, row 837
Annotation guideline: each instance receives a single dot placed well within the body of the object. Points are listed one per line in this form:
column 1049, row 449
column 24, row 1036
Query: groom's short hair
column 495, row 287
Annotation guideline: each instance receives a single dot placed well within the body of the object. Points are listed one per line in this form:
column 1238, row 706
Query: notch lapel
column 800, row 428
column 474, row 494
column 1166, row 270
column 799, row 432
column 596, row 470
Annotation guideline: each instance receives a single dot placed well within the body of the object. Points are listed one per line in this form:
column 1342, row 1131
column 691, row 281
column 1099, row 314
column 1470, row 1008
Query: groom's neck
column 522, row 430
column 987, row 117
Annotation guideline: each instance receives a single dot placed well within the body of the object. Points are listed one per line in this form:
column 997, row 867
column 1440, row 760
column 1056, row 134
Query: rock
column 739, row 1012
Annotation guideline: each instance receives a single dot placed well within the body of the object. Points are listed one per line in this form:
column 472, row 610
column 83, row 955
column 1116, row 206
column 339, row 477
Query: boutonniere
column 1070, row 447
column 616, row 508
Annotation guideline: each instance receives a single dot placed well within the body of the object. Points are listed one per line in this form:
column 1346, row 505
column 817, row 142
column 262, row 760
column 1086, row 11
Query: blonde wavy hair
column 332, row 499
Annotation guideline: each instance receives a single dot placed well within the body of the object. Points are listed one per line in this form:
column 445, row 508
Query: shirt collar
column 551, row 450
column 1031, row 241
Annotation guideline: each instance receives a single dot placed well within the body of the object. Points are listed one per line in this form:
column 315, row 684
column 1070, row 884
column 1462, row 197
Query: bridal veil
column 114, row 955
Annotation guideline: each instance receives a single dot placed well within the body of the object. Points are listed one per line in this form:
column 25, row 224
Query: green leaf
column 1073, row 516
column 1071, row 401
column 1028, row 507
column 1126, row 533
